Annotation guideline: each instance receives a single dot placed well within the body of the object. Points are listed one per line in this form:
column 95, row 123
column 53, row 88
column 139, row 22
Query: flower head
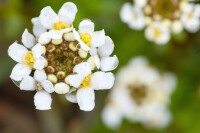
column 144, row 96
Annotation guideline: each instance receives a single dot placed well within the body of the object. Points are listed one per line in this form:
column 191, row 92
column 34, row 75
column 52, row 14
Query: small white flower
column 42, row 98
column 140, row 94
column 191, row 18
column 87, row 37
column 27, row 59
column 57, row 23
column 86, row 82
column 133, row 16
column 158, row 33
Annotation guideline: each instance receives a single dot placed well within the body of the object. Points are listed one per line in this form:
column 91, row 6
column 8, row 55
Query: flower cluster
column 161, row 18
column 60, row 59
column 141, row 94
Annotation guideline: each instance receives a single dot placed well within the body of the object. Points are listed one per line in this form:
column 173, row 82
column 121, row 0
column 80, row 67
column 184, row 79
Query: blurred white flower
column 141, row 94
column 28, row 56
column 87, row 37
column 57, row 23
column 86, row 82
column 133, row 16
column 158, row 33
column 62, row 60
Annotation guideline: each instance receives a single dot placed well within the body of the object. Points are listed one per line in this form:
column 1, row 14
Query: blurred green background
column 181, row 56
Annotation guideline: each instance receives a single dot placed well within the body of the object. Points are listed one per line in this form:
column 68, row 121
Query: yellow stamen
column 157, row 32
column 86, row 82
column 29, row 59
column 60, row 25
column 86, row 38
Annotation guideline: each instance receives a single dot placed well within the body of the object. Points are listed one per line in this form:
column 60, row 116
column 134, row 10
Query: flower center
column 29, row 59
column 86, row 38
column 138, row 93
column 157, row 32
column 165, row 8
column 86, row 82
column 60, row 25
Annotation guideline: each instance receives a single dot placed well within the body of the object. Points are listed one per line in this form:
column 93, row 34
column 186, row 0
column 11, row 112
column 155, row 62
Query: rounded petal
column 140, row 3
column 48, row 86
column 37, row 50
column 38, row 29
column 28, row 84
column 40, row 75
column 61, row 88
column 28, row 39
column 94, row 62
column 20, row 71
column 39, row 63
column 107, row 48
column 55, row 34
column 93, row 51
column 42, row 100
column 85, row 99
column 98, row 38
column 86, row 26
column 44, row 38
column 126, row 13
column 82, row 68
column 67, row 13
column 17, row 52
column 109, row 63
column 71, row 96
column 48, row 17
column 102, row 80
column 75, row 80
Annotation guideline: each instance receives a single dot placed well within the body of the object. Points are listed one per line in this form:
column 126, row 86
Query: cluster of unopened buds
column 161, row 18
column 61, row 59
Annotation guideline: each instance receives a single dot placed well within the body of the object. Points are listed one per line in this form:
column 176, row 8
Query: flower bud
column 57, row 41
column 52, row 78
column 82, row 53
column 73, row 46
column 61, row 75
column 69, row 37
column 61, row 88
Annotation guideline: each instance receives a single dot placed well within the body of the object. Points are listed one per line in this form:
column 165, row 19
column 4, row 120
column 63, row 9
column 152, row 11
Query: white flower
column 42, row 98
column 27, row 59
column 158, row 33
column 87, row 37
column 86, row 82
column 133, row 16
column 191, row 18
column 140, row 3
column 57, row 23
column 140, row 94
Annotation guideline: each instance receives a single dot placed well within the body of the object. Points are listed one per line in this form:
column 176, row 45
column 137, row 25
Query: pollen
column 157, row 32
column 86, row 38
column 86, row 82
column 29, row 59
column 60, row 25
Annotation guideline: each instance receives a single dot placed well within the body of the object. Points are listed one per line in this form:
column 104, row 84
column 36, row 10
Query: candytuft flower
column 61, row 60
column 172, row 15
column 141, row 94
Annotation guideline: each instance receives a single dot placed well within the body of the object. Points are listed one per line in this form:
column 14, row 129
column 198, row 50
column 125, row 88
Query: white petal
column 20, row 71
column 86, row 26
column 61, row 88
column 107, row 48
column 140, row 3
column 82, row 68
column 42, row 100
column 17, row 52
column 93, row 51
column 44, row 38
column 28, row 39
column 48, row 17
column 109, row 63
column 85, row 99
column 38, row 29
column 37, row 50
column 102, row 80
column 67, row 13
column 55, row 34
column 71, row 96
column 98, row 38
column 94, row 62
column 40, row 75
column 75, row 80
column 126, row 12
column 48, row 86
column 28, row 84
column 39, row 63
column 82, row 44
